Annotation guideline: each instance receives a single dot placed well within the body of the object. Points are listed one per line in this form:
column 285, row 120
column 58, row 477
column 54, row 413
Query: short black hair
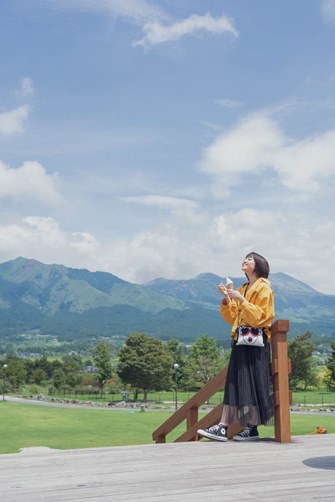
column 262, row 267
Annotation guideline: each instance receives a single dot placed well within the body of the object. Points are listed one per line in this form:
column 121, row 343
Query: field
column 312, row 397
column 23, row 426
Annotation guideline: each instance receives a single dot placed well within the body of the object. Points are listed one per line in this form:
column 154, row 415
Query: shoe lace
column 214, row 428
column 246, row 431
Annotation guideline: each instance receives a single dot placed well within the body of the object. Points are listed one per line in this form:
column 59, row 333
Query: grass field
column 312, row 397
column 23, row 426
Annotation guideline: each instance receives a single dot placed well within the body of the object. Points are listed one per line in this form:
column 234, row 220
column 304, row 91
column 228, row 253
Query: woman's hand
column 224, row 291
column 236, row 295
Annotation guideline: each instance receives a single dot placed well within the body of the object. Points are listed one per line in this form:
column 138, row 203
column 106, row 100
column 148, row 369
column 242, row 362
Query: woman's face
column 248, row 265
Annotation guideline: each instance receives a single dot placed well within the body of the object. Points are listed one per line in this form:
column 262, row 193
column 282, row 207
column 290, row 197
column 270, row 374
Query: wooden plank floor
column 303, row 470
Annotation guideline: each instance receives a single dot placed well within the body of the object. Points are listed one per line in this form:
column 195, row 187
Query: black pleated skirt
column 248, row 394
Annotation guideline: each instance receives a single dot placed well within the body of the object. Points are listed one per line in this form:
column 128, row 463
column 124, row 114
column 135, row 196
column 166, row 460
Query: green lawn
column 313, row 397
column 23, row 426
column 299, row 397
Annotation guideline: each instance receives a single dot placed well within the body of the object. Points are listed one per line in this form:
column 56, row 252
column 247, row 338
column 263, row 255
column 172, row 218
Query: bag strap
column 238, row 310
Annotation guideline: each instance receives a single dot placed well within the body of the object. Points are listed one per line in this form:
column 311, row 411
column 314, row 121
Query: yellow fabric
column 257, row 310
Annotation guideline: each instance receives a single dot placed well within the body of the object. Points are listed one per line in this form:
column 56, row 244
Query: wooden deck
column 303, row 470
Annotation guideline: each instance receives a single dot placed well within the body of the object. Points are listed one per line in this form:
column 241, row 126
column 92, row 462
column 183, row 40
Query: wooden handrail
column 281, row 367
column 189, row 411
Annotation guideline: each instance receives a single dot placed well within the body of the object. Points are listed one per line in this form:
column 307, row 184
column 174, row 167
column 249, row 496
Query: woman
column 247, row 395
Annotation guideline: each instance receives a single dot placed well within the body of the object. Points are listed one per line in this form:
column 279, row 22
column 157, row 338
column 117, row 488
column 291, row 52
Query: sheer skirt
column 248, row 394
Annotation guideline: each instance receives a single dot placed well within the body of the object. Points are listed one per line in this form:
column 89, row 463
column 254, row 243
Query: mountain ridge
column 72, row 303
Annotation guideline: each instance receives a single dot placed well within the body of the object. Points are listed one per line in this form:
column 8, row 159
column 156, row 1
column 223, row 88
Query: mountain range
column 76, row 303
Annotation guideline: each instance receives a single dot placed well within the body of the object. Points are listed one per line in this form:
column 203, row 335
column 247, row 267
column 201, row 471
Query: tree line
column 145, row 364
column 305, row 371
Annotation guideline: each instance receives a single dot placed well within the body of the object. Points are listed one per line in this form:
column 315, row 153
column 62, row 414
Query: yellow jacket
column 257, row 310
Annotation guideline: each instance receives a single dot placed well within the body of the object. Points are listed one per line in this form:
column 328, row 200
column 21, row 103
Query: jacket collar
column 257, row 284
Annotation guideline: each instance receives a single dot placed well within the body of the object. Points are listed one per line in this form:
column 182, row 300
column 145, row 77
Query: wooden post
column 280, row 372
column 192, row 416
column 161, row 439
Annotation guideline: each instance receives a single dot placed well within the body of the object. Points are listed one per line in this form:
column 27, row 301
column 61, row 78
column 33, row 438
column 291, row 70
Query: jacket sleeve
column 261, row 313
column 229, row 311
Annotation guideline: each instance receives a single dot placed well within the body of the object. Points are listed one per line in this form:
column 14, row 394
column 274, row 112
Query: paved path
column 303, row 470
column 95, row 406
column 83, row 405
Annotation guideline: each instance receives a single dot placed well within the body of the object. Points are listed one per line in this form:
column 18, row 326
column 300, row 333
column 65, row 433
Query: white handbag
column 247, row 335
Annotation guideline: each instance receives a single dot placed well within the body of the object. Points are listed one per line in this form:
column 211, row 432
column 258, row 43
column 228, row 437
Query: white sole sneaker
column 250, row 438
column 214, row 437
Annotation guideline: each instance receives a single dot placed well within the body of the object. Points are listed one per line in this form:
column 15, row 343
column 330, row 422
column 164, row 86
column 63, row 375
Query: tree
column 16, row 371
column 145, row 363
column 300, row 351
column 330, row 373
column 103, row 361
column 44, row 364
column 176, row 348
column 204, row 361
column 59, row 378
column 38, row 376
column 115, row 384
column 39, row 369
column 72, row 367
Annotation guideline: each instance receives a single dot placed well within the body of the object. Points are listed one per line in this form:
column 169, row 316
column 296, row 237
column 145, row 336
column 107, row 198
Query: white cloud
column 304, row 165
column 12, row 122
column 328, row 11
column 29, row 181
column 228, row 103
column 210, row 125
column 152, row 18
column 44, row 230
column 161, row 201
column 42, row 238
column 84, row 242
column 31, row 237
column 179, row 247
column 244, row 149
column 258, row 144
column 138, row 11
column 157, row 33
column 301, row 244
column 26, row 88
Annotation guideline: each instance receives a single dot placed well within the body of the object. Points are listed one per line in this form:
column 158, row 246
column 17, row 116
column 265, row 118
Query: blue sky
column 168, row 138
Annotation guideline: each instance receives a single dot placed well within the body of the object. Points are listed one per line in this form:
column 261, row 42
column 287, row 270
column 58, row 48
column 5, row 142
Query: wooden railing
column 281, row 368
column 190, row 410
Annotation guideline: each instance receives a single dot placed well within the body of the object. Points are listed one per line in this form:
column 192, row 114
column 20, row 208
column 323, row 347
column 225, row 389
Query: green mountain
column 306, row 308
column 66, row 302
column 203, row 289
column 75, row 304
column 54, row 288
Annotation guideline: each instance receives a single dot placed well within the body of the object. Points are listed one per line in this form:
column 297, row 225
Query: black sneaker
column 216, row 432
column 249, row 434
